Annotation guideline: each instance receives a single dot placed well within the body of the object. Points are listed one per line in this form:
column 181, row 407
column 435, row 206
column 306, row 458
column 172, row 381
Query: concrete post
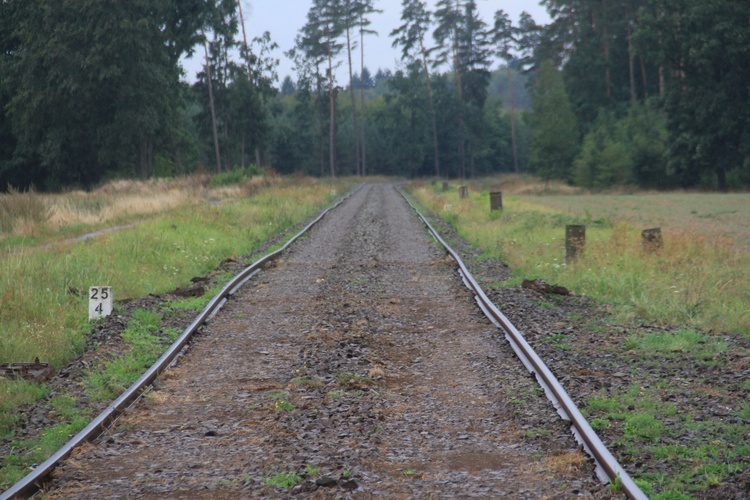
column 575, row 242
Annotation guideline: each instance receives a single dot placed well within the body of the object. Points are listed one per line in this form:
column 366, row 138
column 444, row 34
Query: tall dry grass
column 23, row 211
column 33, row 214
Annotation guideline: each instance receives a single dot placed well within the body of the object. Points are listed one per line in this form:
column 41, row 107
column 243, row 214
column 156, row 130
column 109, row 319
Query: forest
column 647, row 93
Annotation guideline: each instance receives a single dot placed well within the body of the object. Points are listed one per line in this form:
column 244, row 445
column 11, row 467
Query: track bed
column 357, row 365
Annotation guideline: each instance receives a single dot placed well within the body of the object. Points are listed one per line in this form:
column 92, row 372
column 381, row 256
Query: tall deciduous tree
column 708, row 98
column 95, row 87
column 554, row 129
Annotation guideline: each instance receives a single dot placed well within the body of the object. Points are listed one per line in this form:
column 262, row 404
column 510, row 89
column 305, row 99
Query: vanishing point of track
column 392, row 386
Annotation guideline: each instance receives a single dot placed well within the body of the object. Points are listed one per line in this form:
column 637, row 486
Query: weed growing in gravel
column 535, row 433
column 311, row 471
column 284, row 480
column 671, row 344
column 599, row 424
column 641, row 426
column 15, row 394
column 353, row 380
column 307, row 382
column 558, row 341
column 196, row 303
column 120, row 373
column 35, row 451
column 25, row 453
column 283, row 406
column 707, row 454
column 744, row 411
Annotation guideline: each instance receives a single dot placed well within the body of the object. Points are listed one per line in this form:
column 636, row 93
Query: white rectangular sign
column 100, row 302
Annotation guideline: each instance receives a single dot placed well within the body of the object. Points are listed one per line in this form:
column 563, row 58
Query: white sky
column 284, row 18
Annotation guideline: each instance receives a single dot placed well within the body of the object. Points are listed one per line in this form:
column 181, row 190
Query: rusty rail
column 33, row 481
column 607, row 468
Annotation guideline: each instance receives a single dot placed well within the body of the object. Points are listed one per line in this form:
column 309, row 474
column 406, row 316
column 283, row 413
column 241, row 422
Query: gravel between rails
column 360, row 363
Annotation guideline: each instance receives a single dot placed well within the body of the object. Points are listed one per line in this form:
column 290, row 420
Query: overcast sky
column 284, row 18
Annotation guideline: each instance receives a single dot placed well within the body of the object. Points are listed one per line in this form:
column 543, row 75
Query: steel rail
column 33, row 481
column 607, row 467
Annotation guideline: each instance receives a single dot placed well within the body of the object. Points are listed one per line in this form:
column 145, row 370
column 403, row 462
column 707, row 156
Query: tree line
column 646, row 92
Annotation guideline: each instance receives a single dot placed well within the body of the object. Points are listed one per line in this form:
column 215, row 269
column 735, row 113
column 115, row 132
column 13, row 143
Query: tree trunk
column 721, row 180
column 321, row 119
column 432, row 111
column 211, row 104
column 631, row 63
column 363, row 143
column 357, row 163
column 471, row 156
column 142, row 168
column 250, row 81
column 512, row 121
column 459, row 90
column 662, row 86
column 605, row 41
column 332, row 120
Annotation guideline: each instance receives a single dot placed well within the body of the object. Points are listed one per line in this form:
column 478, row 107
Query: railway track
column 358, row 364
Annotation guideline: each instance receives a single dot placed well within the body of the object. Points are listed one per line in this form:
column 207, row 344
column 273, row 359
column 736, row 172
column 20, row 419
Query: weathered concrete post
column 464, row 192
column 496, row 200
column 651, row 239
column 445, row 186
column 575, row 242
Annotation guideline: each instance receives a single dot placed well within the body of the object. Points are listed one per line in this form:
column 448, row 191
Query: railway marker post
column 651, row 239
column 575, row 241
column 100, row 302
column 496, row 201
column 463, row 192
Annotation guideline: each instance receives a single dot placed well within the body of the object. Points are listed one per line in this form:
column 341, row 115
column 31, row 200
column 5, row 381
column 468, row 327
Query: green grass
column 697, row 345
column 14, row 394
column 284, row 480
column 709, row 451
column 642, row 426
column 34, row 451
column 120, row 373
column 715, row 215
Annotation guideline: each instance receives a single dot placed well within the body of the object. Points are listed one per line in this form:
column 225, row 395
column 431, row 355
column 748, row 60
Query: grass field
column 699, row 279
column 44, row 311
column 714, row 216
